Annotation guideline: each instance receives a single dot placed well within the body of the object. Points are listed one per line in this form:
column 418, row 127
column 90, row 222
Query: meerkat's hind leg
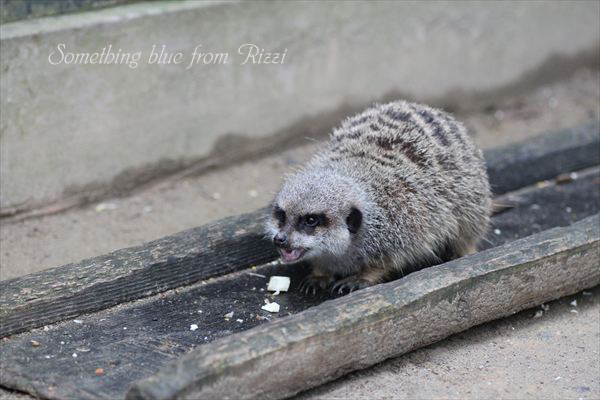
column 463, row 248
column 315, row 281
column 368, row 276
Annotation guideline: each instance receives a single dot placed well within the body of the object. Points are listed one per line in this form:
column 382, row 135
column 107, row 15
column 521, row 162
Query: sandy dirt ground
column 555, row 356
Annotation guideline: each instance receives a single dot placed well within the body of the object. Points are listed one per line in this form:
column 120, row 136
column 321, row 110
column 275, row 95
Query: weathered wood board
column 158, row 328
column 543, row 157
column 280, row 359
column 235, row 243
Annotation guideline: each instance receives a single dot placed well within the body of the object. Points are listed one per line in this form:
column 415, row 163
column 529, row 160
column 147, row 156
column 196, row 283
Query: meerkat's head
column 316, row 213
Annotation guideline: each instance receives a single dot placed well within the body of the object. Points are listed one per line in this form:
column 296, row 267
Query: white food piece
column 271, row 307
column 574, row 303
column 193, row 327
column 229, row 315
column 278, row 284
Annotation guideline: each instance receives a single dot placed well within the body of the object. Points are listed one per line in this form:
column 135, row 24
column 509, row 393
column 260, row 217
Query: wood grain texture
column 60, row 293
column 366, row 327
column 233, row 244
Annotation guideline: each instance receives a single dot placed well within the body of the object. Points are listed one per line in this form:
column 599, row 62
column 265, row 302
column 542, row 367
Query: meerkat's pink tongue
column 291, row 254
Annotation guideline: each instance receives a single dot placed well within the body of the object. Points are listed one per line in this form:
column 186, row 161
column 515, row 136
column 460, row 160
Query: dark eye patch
column 309, row 222
column 279, row 214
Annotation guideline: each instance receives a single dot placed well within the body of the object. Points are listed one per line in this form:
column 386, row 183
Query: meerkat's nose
column 280, row 239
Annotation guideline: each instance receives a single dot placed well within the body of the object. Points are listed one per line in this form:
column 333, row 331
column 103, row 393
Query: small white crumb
column 124, row 328
column 74, row 355
column 574, row 303
column 262, row 289
column 240, row 320
column 497, row 231
column 557, row 378
column 545, row 307
column 62, row 342
column 271, row 307
column 193, row 327
column 106, row 206
column 46, row 328
column 205, row 337
column 78, row 321
column 586, row 293
column 574, row 311
column 229, row 315
column 568, row 210
column 538, row 314
column 278, row 284
column 199, row 311
column 47, row 356
column 542, row 184
column 216, row 195
column 573, row 175
column 252, row 193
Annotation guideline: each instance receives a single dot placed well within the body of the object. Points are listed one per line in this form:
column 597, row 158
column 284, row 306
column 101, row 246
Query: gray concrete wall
column 67, row 128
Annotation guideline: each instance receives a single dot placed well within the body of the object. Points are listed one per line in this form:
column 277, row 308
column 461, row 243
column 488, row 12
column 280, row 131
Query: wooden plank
column 128, row 274
column 543, row 157
column 366, row 327
column 158, row 327
column 231, row 245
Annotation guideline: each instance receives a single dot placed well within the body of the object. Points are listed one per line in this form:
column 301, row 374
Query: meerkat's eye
column 279, row 214
column 311, row 220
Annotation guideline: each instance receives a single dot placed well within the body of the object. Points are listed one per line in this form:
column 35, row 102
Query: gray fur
column 416, row 177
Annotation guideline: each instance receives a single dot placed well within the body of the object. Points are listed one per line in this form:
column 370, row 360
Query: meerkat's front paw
column 350, row 284
column 314, row 283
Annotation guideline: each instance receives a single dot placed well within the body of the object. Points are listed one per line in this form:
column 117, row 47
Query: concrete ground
column 554, row 356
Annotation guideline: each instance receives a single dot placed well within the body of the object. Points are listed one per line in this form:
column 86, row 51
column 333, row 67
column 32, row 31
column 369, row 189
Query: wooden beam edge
column 296, row 353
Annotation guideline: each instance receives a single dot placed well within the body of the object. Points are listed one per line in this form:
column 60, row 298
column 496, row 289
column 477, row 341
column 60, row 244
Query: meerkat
column 397, row 188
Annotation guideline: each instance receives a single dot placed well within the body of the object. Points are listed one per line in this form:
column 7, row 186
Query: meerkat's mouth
column 291, row 255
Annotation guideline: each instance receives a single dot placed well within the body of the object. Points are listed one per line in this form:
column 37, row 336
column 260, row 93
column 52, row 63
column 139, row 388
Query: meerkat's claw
column 349, row 284
column 313, row 284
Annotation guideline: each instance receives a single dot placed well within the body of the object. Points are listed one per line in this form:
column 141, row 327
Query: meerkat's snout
column 286, row 250
column 280, row 239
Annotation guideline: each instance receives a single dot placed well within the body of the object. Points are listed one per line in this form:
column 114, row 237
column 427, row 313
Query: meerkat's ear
column 354, row 220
